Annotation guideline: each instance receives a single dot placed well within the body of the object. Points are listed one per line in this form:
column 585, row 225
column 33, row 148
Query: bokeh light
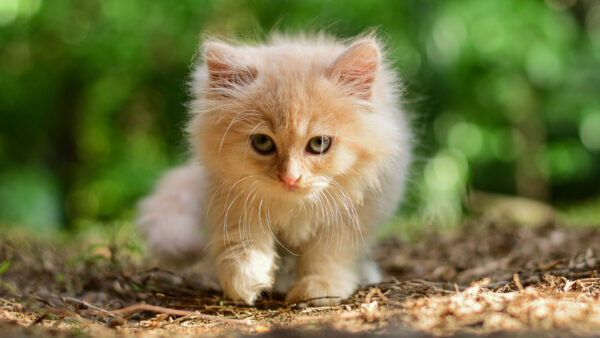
column 589, row 130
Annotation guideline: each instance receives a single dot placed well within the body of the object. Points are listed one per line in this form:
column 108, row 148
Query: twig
column 369, row 295
column 497, row 285
column 518, row 282
column 65, row 312
column 89, row 306
column 129, row 310
column 181, row 319
column 438, row 286
column 381, row 295
column 375, row 291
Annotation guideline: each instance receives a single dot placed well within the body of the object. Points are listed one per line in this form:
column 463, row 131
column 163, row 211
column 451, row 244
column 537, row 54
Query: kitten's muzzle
column 290, row 181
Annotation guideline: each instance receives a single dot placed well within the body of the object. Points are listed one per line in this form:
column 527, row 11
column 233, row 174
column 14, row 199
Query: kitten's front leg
column 326, row 274
column 245, row 270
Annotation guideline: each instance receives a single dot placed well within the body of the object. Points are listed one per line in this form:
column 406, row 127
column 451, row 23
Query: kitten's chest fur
column 297, row 226
column 292, row 223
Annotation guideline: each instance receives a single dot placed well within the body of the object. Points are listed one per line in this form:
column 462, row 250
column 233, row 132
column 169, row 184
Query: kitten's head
column 294, row 117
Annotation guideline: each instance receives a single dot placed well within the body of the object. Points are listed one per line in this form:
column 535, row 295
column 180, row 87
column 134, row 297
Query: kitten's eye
column 319, row 144
column 263, row 143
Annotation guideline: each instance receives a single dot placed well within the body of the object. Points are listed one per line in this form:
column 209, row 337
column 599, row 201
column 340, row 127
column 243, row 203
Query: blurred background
column 504, row 97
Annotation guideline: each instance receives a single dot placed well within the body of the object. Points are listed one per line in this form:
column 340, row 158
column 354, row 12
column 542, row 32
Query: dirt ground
column 483, row 278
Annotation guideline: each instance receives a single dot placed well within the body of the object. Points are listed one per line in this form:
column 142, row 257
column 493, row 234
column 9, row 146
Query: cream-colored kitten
column 300, row 149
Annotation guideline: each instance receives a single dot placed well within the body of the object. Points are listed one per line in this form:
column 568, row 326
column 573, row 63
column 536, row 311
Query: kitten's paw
column 247, row 291
column 246, row 276
column 316, row 290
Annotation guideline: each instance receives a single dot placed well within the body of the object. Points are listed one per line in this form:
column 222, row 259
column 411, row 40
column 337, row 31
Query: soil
column 483, row 278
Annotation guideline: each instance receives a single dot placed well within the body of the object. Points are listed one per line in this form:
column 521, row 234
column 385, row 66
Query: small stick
column 65, row 312
column 437, row 286
column 370, row 295
column 129, row 310
column 181, row 319
column 518, row 282
column 88, row 305
column 381, row 295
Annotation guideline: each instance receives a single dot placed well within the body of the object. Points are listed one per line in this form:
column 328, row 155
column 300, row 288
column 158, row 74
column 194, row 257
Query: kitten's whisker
column 273, row 234
column 235, row 184
column 322, row 214
column 241, row 114
column 231, row 123
column 336, row 217
column 323, row 199
column 343, row 202
column 298, row 212
column 239, row 226
column 343, row 218
column 210, row 202
column 225, row 223
column 228, row 208
column 260, row 222
column 250, row 222
column 354, row 213
column 235, row 120
column 242, row 219
column 319, row 219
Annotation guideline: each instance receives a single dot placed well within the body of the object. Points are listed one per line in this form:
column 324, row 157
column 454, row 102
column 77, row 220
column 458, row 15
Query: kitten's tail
column 170, row 218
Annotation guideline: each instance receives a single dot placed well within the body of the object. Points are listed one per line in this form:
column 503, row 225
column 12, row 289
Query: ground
column 484, row 277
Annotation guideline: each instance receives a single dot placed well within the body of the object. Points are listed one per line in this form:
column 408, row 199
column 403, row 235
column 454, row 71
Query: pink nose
column 290, row 181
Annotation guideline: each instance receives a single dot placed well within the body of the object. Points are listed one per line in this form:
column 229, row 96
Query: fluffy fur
column 232, row 202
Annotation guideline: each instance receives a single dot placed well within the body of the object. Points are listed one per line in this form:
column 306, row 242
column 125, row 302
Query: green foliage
column 4, row 266
column 504, row 95
column 5, row 285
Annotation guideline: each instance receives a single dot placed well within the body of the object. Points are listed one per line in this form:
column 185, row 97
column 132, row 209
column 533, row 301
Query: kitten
column 301, row 150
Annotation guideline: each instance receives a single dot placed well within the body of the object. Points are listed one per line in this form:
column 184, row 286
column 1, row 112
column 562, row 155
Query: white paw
column 244, row 277
column 316, row 290
column 369, row 272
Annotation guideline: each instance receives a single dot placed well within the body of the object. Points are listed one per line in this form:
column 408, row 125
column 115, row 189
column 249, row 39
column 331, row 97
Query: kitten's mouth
column 293, row 188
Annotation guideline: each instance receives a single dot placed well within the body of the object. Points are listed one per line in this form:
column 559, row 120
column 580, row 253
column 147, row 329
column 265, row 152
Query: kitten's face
column 285, row 125
column 296, row 147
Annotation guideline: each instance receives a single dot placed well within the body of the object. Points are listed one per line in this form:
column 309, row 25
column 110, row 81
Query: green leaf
column 4, row 266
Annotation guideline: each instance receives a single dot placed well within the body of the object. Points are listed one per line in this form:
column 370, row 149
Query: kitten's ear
column 356, row 68
column 226, row 68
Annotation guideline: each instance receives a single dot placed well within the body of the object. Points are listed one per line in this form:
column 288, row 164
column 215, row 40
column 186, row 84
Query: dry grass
column 484, row 278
